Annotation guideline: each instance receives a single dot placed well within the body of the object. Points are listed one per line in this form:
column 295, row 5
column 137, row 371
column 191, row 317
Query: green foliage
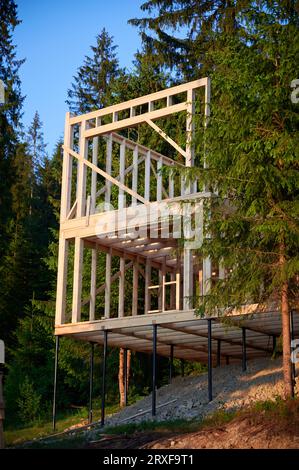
column 28, row 402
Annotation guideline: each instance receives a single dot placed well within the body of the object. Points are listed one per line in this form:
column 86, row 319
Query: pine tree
column 91, row 87
column 36, row 144
column 10, row 112
column 183, row 31
column 252, row 155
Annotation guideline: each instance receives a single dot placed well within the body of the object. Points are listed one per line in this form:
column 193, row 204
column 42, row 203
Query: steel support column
column 154, row 370
column 104, row 377
column 171, row 363
column 90, row 412
column 210, row 379
column 55, row 382
column 244, row 355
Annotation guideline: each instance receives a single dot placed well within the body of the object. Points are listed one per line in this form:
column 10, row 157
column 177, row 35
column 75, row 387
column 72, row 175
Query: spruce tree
column 251, row 150
column 91, row 87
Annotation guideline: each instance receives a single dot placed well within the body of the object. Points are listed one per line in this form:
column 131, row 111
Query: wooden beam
column 61, row 281
column 66, row 170
column 147, row 176
column 121, row 290
column 108, row 177
column 93, row 284
column 135, row 288
column 108, row 283
column 77, row 280
column 169, row 92
column 166, row 137
column 108, row 169
column 135, row 174
column 147, row 294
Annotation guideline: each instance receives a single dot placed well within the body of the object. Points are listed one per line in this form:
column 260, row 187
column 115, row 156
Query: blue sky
column 54, row 37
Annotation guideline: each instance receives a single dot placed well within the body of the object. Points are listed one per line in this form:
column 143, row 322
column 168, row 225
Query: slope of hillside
column 187, row 398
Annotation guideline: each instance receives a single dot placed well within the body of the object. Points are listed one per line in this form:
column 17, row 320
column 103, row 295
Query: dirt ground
column 248, row 431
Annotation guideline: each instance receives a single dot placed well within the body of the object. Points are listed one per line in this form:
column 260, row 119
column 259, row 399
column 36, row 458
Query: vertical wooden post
column 66, row 187
column 135, row 174
column 121, row 289
column 108, row 284
column 93, row 191
column 207, row 262
column 61, row 281
column 77, row 280
column 66, row 182
column 108, row 168
column 79, row 243
column 188, row 261
column 126, row 376
column 93, row 284
column 159, row 180
column 122, row 166
column 147, row 291
column 147, row 176
column 135, row 288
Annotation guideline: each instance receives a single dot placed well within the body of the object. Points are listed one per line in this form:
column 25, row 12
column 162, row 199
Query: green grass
column 39, row 429
column 277, row 409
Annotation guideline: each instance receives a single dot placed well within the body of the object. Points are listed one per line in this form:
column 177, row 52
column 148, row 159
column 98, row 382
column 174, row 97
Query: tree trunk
column 121, row 384
column 286, row 331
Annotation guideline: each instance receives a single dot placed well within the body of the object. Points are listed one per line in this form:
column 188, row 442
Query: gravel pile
column 232, row 389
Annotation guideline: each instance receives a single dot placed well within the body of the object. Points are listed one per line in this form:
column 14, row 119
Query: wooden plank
column 135, row 288
column 61, row 281
column 66, row 171
column 142, row 150
column 102, row 288
column 159, row 180
column 141, row 100
column 93, row 284
column 127, row 171
column 81, row 181
column 134, row 121
column 93, row 190
column 147, row 176
column 108, row 169
column 147, row 294
column 122, row 167
column 77, row 280
column 108, row 284
column 166, row 137
column 121, row 290
column 108, row 177
column 135, row 174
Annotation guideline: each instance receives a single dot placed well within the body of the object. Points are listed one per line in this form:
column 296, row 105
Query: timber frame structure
column 163, row 321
